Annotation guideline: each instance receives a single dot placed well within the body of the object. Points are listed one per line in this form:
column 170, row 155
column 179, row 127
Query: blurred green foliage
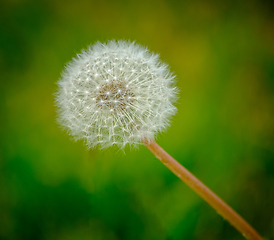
column 53, row 188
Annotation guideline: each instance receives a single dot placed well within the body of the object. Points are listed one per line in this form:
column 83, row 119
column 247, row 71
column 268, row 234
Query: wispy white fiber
column 115, row 93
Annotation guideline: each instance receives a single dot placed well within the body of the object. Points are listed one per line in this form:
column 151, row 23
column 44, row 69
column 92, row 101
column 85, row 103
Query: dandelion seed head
column 116, row 93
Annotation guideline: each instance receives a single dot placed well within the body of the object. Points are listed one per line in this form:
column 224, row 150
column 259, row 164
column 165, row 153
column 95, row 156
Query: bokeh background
column 53, row 188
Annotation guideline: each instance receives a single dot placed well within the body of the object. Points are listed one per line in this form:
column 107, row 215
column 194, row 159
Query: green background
column 53, row 188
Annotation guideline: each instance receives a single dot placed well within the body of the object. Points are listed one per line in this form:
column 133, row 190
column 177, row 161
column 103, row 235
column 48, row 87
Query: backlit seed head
column 115, row 93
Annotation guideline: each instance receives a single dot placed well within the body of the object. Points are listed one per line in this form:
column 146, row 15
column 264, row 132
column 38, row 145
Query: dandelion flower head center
column 115, row 94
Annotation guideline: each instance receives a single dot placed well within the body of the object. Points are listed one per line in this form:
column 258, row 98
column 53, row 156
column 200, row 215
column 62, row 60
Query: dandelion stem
column 210, row 197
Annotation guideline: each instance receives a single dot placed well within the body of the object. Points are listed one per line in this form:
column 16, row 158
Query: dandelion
column 116, row 94
column 120, row 93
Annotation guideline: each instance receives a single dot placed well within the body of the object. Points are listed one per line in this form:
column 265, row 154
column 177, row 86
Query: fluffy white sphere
column 116, row 93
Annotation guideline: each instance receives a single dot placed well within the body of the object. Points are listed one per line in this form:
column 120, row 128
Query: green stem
column 210, row 197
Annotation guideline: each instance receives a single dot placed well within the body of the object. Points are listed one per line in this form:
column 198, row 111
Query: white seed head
column 116, row 93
